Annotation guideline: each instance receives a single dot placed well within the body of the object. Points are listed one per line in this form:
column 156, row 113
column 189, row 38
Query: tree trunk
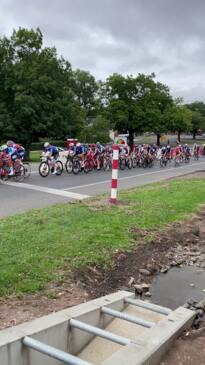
column 158, row 139
column 131, row 139
column 179, row 136
column 194, row 135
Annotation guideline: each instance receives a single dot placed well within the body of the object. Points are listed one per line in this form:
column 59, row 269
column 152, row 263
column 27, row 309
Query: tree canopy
column 42, row 96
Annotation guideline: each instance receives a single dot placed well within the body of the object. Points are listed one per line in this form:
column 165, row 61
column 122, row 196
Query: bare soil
column 178, row 244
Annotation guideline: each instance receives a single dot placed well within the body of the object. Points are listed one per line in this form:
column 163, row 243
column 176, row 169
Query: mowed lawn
column 36, row 246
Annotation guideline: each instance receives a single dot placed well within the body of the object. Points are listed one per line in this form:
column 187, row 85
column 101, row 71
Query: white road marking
column 138, row 175
column 47, row 190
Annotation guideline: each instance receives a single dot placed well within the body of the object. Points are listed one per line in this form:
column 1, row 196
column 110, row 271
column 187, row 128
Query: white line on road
column 47, row 190
column 138, row 175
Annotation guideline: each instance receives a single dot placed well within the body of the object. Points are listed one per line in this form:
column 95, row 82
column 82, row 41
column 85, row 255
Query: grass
column 34, row 156
column 36, row 246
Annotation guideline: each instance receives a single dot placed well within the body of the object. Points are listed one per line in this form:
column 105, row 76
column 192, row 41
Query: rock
column 199, row 312
column 192, row 285
column 138, row 289
column 131, row 281
column 203, row 290
column 164, row 270
column 197, row 322
column 173, row 263
column 200, row 305
column 196, row 231
column 145, row 272
column 145, row 287
column 186, row 305
column 148, row 294
column 191, row 301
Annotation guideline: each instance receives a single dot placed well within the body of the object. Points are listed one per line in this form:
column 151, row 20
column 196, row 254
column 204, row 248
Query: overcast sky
column 125, row 36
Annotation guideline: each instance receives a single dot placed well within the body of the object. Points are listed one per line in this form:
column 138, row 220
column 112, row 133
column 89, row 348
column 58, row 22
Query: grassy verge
column 34, row 156
column 35, row 246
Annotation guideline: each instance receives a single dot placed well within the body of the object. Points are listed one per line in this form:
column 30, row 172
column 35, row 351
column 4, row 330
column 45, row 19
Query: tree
column 180, row 118
column 136, row 104
column 198, row 116
column 36, row 99
column 97, row 131
column 85, row 89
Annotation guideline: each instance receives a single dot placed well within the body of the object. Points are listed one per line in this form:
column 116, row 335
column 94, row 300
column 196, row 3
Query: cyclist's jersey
column 20, row 150
column 99, row 149
column 177, row 151
column 11, row 151
column 79, row 150
column 84, row 149
column 53, row 150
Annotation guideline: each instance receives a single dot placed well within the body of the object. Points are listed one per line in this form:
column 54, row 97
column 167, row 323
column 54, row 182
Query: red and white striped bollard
column 115, row 167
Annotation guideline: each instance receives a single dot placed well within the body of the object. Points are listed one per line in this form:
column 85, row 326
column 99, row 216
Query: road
column 38, row 192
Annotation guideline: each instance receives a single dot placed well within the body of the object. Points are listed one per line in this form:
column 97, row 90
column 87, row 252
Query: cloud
column 125, row 36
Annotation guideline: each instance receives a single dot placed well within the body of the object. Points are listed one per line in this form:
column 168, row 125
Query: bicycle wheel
column 19, row 173
column 122, row 164
column 69, row 166
column 86, row 166
column 129, row 163
column 162, row 162
column 134, row 162
column 59, row 168
column 27, row 169
column 44, row 169
column 76, row 167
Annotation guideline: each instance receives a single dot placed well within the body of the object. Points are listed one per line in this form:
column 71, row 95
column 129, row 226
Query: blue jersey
column 79, row 150
column 53, row 150
column 11, row 151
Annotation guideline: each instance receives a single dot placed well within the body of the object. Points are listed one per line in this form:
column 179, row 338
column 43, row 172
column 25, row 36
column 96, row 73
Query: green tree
column 180, row 118
column 85, row 89
column 136, row 104
column 39, row 101
column 198, row 116
column 97, row 131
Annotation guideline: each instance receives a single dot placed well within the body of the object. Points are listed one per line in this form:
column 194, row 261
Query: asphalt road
column 38, row 192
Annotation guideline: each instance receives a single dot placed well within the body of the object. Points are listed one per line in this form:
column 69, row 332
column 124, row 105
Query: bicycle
column 47, row 166
column 18, row 171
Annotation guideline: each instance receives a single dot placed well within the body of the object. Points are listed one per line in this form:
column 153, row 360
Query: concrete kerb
column 54, row 330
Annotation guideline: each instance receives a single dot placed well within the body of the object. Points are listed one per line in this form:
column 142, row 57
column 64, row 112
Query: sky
column 166, row 37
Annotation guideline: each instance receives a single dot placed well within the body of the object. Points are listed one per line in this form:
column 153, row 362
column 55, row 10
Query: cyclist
column 6, row 160
column 99, row 149
column 19, row 149
column 51, row 151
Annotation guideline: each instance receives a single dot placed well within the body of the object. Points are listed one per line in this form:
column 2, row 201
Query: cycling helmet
column 10, row 143
column 78, row 144
column 3, row 147
column 46, row 144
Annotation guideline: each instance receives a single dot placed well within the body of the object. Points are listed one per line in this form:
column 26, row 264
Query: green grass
column 34, row 156
column 36, row 246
